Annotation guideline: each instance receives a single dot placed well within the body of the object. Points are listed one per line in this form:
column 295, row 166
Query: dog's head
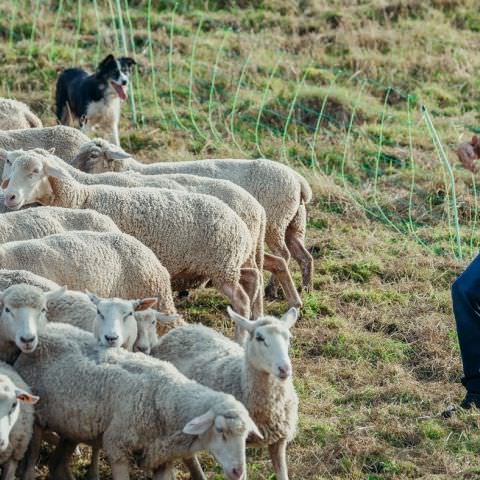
column 114, row 73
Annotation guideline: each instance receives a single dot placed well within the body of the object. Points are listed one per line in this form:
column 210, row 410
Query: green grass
column 335, row 90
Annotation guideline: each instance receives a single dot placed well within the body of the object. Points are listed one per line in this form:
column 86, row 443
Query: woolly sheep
column 238, row 199
column 279, row 189
column 150, row 324
column 16, row 419
column 197, row 237
column 43, row 221
column 111, row 264
column 17, row 115
column 23, row 315
column 259, row 375
column 65, row 141
column 146, row 405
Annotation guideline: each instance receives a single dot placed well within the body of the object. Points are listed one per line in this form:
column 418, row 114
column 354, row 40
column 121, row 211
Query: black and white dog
column 94, row 100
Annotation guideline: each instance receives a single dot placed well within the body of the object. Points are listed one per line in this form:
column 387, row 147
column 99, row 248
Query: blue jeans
column 466, row 308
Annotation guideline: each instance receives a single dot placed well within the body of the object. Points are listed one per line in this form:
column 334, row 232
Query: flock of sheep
column 98, row 364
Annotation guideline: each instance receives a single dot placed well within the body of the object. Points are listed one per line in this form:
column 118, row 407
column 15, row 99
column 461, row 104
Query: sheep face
column 151, row 324
column 115, row 323
column 99, row 156
column 25, row 178
column 224, row 437
column 10, row 397
column 268, row 342
column 23, row 314
column 146, row 331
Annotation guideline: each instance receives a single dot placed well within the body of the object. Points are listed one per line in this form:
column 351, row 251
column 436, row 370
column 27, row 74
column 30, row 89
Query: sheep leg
column 195, row 469
column 120, row 471
column 278, row 267
column 9, row 470
column 59, row 464
column 279, row 249
column 295, row 239
column 240, row 303
column 164, row 472
column 93, row 473
column 252, row 284
column 33, row 452
column 278, row 455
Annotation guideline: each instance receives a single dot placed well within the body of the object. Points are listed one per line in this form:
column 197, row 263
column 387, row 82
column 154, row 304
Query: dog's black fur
column 76, row 89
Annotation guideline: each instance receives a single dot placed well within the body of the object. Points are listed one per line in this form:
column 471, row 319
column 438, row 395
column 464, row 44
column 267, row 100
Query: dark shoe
column 471, row 400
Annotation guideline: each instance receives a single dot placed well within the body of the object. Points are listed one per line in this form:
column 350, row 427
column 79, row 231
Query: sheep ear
column 93, row 298
column 144, row 303
column 5, row 183
column 200, row 424
column 26, row 397
column 291, row 317
column 241, row 321
column 54, row 170
column 161, row 317
column 116, row 155
column 51, row 151
column 56, row 294
column 255, row 430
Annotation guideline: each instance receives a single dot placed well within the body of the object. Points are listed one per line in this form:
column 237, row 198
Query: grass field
column 334, row 88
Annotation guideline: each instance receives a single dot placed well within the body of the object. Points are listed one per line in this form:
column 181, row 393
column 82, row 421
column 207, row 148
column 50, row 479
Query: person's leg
column 466, row 308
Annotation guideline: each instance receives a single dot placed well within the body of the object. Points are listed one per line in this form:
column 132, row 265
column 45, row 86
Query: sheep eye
column 153, row 322
column 259, row 338
column 35, row 170
column 14, row 406
column 7, row 310
column 100, row 314
column 219, row 430
column 44, row 310
column 9, row 161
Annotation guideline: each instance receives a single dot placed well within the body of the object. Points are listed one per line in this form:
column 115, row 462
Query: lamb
column 146, row 406
column 43, row 221
column 65, row 141
column 196, row 237
column 150, row 324
column 238, row 199
column 16, row 115
column 279, row 189
column 16, row 419
column 259, row 375
column 112, row 264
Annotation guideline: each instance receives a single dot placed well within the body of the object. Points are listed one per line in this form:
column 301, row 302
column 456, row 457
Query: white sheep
column 43, row 221
column 259, row 375
column 279, row 189
column 238, row 199
column 196, row 237
column 145, row 406
column 16, row 419
column 150, row 324
column 23, row 315
column 65, row 141
column 111, row 264
column 16, row 115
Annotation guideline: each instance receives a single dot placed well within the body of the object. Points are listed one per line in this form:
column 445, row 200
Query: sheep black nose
column 111, row 339
column 11, row 197
column 27, row 340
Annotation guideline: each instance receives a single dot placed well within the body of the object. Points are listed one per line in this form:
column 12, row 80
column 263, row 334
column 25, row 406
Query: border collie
column 94, row 100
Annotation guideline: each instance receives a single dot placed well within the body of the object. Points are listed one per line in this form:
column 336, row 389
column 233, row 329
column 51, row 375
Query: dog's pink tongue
column 121, row 91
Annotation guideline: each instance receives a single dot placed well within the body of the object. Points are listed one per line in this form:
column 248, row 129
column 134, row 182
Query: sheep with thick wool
column 16, row 115
column 259, row 375
column 280, row 190
column 146, row 405
column 65, row 141
column 43, row 221
column 238, row 199
column 111, row 264
column 16, row 419
column 196, row 237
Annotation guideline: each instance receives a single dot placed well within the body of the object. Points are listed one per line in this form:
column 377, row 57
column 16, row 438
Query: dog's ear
column 109, row 58
column 127, row 62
